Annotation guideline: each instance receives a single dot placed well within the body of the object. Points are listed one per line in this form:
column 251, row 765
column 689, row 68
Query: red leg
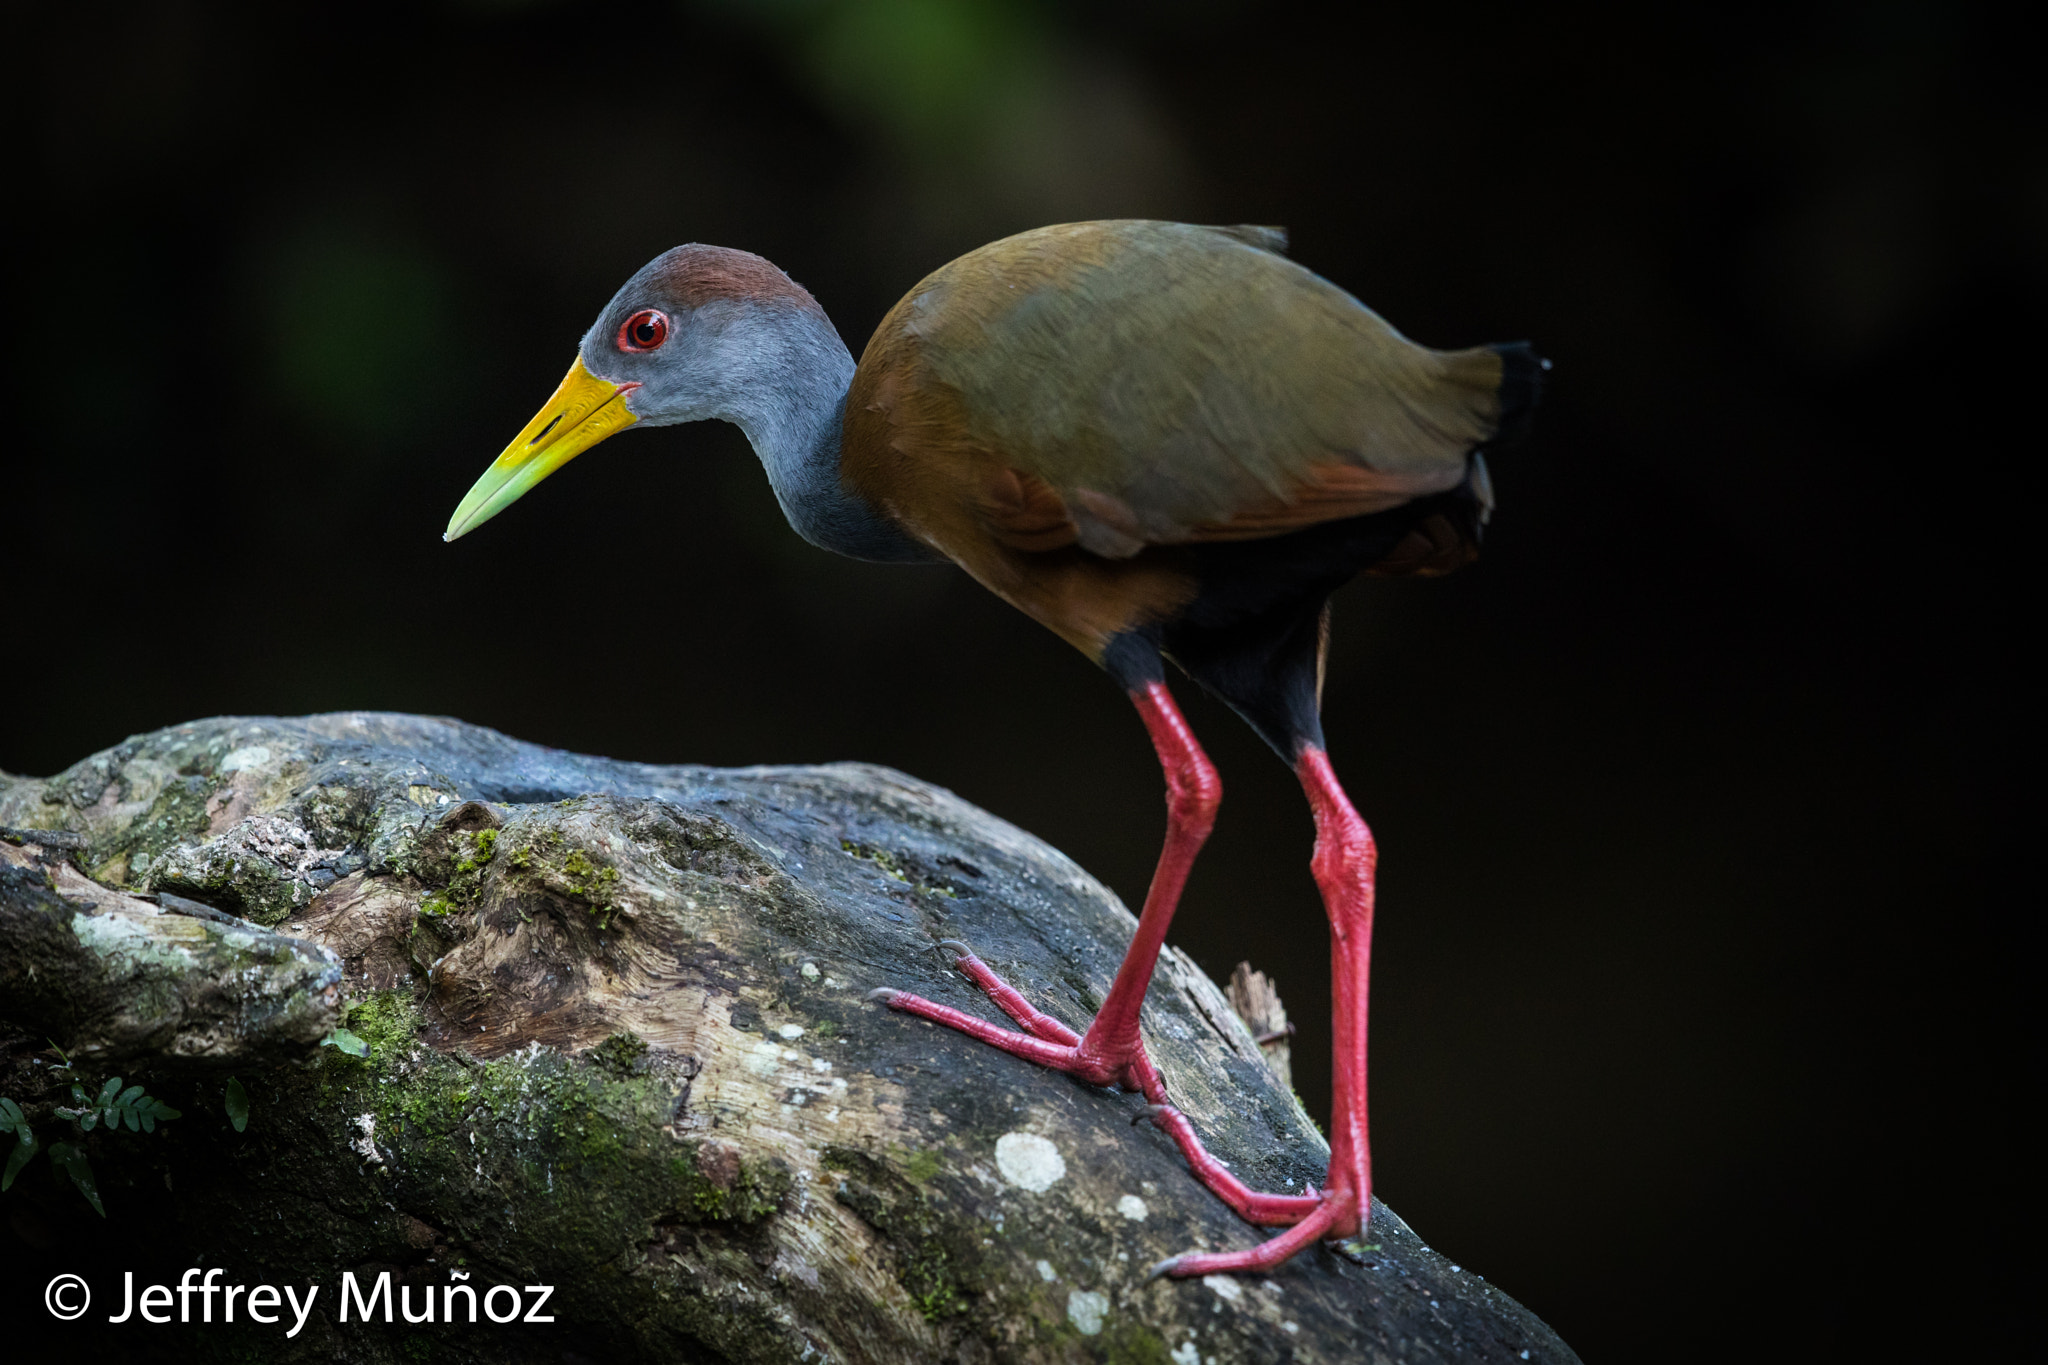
column 1111, row 1051
column 1343, row 865
column 1108, row 1052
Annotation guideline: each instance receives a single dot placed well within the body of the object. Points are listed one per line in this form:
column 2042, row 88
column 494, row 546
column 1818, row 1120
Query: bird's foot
column 1267, row 1210
column 1334, row 1208
column 1050, row 1043
column 1045, row 1040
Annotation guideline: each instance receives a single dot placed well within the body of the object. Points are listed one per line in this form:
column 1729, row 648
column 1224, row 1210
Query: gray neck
column 790, row 399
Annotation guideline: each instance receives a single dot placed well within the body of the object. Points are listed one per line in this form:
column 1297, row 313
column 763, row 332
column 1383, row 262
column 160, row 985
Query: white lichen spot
column 1185, row 1354
column 1225, row 1288
column 763, row 1058
column 1045, row 1272
column 1132, row 1207
column 1029, row 1162
column 254, row 756
column 789, row 1267
column 791, row 1031
column 1085, row 1309
column 809, row 970
column 790, row 1056
column 820, row 1064
column 367, row 1143
column 830, row 984
column 1290, row 1327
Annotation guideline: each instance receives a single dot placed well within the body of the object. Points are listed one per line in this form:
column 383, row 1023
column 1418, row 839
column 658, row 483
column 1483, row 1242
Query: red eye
column 644, row 331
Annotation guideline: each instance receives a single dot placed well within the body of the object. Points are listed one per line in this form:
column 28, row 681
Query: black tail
column 1522, row 374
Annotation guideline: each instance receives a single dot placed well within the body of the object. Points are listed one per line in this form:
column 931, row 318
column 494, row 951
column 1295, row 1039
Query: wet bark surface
column 619, row 1044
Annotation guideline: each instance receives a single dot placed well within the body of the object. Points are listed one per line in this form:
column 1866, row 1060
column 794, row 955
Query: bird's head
column 679, row 342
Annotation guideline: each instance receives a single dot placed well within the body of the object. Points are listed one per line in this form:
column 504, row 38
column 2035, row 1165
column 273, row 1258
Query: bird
column 1169, row 444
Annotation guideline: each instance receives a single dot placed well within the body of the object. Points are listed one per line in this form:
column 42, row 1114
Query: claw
column 882, row 995
column 960, row 949
column 1165, row 1267
column 1155, row 1112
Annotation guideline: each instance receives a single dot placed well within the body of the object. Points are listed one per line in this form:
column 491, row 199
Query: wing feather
column 1123, row 384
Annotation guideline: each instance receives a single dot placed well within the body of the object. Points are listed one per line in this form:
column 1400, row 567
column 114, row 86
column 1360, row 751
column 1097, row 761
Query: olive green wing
column 1159, row 383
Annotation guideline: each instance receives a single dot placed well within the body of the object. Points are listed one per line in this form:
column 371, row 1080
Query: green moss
column 622, row 1054
column 470, row 853
column 598, row 879
column 890, row 865
column 386, row 1020
column 581, row 1144
column 1133, row 1343
column 882, row 858
column 753, row 1194
column 179, row 815
column 933, row 1269
column 574, row 874
column 922, row 1166
column 592, row 883
column 482, row 846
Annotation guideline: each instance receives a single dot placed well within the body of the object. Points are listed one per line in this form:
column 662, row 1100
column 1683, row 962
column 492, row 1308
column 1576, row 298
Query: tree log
column 619, row 1044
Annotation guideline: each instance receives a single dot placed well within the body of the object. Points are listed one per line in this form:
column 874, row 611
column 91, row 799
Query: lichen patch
column 1225, row 1288
column 1029, row 1162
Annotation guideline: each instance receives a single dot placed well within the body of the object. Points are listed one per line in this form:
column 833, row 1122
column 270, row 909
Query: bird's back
column 1109, row 389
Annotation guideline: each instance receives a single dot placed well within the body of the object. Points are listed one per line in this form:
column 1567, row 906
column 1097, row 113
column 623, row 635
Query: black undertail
column 1254, row 634
column 1257, row 629
column 1522, row 373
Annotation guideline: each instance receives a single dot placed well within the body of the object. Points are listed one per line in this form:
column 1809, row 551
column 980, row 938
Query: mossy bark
column 619, row 1045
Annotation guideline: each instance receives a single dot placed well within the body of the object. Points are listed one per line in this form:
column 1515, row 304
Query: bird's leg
column 1110, row 1052
column 1343, row 866
column 1193, row 792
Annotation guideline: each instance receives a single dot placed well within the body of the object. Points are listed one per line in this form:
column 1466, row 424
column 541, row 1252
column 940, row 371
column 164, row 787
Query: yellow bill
column 583, row 412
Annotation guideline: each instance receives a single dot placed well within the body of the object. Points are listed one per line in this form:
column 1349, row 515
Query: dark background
column 1699, row 996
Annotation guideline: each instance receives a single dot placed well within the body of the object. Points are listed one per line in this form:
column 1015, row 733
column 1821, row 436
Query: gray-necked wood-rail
column 1163, row 442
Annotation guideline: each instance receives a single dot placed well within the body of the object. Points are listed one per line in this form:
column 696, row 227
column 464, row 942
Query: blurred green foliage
column 933, row 75
column 357, row 321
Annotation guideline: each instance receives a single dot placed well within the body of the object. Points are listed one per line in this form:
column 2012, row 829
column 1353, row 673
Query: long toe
column 1270, row 1210
column 1031, row 1047
column 1261, row 1258
column 1008, row 998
